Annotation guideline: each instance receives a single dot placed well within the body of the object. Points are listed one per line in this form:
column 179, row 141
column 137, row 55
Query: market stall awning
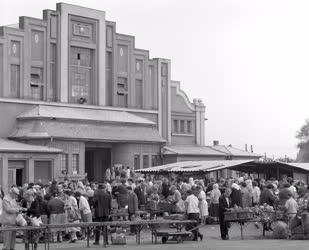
column 8, row 146
column 194, row 166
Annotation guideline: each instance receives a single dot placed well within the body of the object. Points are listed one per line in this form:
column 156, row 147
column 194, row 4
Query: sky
column 247, row 60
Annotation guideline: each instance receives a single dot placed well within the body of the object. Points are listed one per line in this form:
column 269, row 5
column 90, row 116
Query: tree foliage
column 303, row 134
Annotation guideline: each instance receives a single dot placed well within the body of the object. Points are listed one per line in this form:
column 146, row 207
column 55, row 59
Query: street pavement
column 253, row 240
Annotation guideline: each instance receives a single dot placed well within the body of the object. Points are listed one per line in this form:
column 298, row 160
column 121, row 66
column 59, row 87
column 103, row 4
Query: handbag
column 74, row 215
column 20, row 220
column 36, row 221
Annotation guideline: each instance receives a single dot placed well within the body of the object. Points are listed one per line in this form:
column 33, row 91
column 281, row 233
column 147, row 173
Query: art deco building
column 77, row 97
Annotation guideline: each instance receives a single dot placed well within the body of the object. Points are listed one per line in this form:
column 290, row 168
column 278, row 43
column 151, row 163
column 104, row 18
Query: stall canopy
column 193, row 166
column 267, row 169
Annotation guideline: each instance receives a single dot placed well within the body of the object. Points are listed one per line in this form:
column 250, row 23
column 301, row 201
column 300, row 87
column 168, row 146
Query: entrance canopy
column 43, row 122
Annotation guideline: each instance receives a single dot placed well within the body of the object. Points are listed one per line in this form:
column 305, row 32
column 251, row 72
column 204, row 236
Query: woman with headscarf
column 235, row 195
column 214, row 201
column 10, row 210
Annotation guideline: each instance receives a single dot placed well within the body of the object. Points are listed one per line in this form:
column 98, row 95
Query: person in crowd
column 131, row 183
column 193, row 212
column 165, row 188
column 224, row 204
column 235, row 195
column 72, row 214
column 122, row 194
column 141, row 193
column 177, row 200
column 34, row 212
column 132, row 206
column 102, row 208
column 267, row 195
column 256, row 192
column 85, row 211
column 203, row 205
column 246, row 198
column 214, row 201
column 291, row 207
column 10, row 210
column 55, row 207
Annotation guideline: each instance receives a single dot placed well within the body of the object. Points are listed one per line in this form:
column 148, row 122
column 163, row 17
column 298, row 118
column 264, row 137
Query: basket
column 239, row 215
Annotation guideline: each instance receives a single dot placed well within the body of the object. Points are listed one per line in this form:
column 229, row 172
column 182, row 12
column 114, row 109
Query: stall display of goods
column 175, row 217
column 238, row 213
column 119, row 237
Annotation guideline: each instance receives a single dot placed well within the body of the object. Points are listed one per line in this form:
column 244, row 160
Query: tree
column 303, row 134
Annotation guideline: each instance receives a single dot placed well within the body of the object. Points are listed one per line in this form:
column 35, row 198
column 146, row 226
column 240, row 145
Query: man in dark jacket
column 140, row 191
column 132, row 206
column 267, row 196
column 224, row 204
column 102, row 207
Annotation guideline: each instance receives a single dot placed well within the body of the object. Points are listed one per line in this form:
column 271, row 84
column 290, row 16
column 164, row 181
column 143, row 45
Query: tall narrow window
column 75, row 163
column 137, row 164
column 53, row 74
column 64, row 163
column 189, row 127
column 15, row 80
column 175, row 126
column 36, row 83
column 122, row 92
column 182, row 126
column 145, row 161
column 138, row 93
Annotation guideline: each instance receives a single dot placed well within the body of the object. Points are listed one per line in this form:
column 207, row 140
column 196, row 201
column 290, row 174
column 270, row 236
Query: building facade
column 70, row 82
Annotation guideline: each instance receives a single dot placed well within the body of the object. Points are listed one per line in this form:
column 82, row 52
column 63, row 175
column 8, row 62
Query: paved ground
column 253, row 240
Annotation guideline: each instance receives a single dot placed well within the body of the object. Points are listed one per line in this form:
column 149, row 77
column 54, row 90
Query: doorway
column 16, row 173
column 96, row 163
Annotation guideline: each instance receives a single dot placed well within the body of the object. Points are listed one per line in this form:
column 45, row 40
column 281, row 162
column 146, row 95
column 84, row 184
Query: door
column 16, row 172
column 97, row 161
column 81, row 85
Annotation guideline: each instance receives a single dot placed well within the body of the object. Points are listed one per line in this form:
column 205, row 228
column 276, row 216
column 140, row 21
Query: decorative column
column 200, row 121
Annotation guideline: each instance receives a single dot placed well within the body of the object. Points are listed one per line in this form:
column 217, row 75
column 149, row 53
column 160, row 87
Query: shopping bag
column 20, row 220
column 36, row 221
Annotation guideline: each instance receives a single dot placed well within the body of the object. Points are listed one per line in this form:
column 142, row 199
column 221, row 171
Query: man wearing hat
column 102, row 207
column 10, row 210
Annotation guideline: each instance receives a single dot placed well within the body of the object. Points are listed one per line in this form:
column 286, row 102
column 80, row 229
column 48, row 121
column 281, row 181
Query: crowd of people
column 201, row 199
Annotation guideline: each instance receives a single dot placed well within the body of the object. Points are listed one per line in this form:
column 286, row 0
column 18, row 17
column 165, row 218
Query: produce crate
column 229, row 216
column 239, row 215
column 165, row 206
column 119, row 239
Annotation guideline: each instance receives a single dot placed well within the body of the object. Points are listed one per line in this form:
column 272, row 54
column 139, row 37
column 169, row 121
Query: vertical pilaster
column 31, row 170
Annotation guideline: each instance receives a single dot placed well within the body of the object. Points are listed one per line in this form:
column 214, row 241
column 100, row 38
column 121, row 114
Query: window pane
column 145, row 161
column 175, row 126
column 189, row 127
column 182, row 126
column 64, row 163
column 137, row 162
column 75, row 163
column 15, row 80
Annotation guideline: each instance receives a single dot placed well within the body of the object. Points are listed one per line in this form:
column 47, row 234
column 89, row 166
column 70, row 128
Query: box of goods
column 245, row 215
column 230, row 216
column 152, row 205
column 165, row 206
column 120, row 211
column 119, row 239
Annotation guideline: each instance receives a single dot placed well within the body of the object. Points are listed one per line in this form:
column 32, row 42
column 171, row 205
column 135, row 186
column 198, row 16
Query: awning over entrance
column 86, row 125
column 9, row 146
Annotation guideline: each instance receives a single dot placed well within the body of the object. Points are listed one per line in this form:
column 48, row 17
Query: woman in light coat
column 10, row 210
column 203, row 205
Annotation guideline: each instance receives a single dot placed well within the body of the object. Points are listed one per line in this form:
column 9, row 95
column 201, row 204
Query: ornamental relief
column 83, row 30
